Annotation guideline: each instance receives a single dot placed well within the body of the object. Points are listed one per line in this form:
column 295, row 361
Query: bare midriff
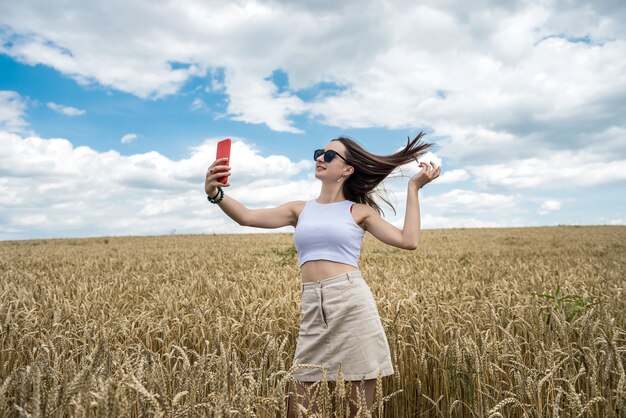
column 315, row 270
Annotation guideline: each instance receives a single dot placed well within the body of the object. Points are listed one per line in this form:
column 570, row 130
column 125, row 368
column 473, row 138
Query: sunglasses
column 329, row 155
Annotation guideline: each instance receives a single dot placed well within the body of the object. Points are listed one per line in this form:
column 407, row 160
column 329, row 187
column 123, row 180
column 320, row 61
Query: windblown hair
column 371, row 169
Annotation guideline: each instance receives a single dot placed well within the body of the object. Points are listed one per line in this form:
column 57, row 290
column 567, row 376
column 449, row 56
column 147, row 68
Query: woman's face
column 334, row 169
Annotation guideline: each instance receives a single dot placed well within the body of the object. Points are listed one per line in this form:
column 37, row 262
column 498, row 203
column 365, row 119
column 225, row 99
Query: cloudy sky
column 110, row 111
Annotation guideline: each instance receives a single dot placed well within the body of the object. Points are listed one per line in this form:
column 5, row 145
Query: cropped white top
column 327, row 231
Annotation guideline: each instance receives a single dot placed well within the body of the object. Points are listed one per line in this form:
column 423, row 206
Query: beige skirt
column 340, row 327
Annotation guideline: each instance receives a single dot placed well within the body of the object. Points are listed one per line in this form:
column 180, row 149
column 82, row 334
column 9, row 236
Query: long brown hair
column 371, row 169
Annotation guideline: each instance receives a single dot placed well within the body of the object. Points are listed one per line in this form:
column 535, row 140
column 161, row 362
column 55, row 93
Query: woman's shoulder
column 298, row 206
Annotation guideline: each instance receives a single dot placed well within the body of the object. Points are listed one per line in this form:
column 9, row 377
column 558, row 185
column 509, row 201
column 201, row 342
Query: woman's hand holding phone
column 214, row 172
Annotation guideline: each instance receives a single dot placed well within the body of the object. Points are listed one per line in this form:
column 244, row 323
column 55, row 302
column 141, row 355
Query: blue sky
column 109, row 116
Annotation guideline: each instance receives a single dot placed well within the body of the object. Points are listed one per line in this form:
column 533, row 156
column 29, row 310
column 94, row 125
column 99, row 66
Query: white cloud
column 66, row 110
column 498, row 68
column 257, row 101
column 458, row 208
column 453, row 176
column 197, row 104
column 128, row 138
column 610, row 142
column 30, row 220
column 464, row 143
column 549, row 206
column 12, row 109
column 48, row 187
column 437, row 221
column 559, row 170
column 468, row 201
column 215, row 86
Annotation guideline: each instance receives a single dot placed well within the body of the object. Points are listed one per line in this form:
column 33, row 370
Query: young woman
column 340, row 325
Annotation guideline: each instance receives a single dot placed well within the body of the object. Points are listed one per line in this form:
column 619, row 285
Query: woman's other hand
column 214, row 172
column 429, row 172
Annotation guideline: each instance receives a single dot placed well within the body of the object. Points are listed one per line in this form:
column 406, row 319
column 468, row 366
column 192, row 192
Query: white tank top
column 327, row 231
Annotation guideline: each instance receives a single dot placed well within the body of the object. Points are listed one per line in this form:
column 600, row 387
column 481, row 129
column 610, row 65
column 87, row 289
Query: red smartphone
column 223, row 150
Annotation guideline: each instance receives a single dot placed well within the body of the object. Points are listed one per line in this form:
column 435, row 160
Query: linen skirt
column 340, row 327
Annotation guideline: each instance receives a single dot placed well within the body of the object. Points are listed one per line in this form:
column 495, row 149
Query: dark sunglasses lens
column 317, row 153
column 329, row 155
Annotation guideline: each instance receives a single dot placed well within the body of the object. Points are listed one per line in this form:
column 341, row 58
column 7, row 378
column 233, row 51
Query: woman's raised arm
column 283, row 215
column 234, row 209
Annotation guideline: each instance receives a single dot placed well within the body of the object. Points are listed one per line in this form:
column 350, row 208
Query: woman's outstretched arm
column 234, row 209
column 411, row 229
column 407, row 237
column 283, row 215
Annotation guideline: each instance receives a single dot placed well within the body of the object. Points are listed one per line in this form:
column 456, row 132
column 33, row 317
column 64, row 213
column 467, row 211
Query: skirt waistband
column 347, row 275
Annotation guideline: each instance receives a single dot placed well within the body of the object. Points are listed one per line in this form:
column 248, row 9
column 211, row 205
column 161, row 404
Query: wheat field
column 516, row 322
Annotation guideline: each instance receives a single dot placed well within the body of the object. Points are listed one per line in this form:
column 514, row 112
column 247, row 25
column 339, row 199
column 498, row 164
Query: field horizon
column 291, row 233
